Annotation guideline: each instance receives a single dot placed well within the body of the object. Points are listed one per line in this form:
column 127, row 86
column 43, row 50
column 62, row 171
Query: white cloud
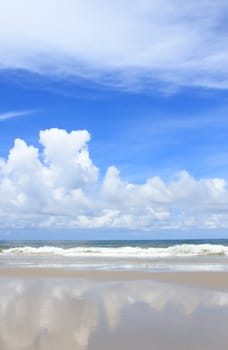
column 126, row 43
column 13, row 114
column 67, row 158
column 59, row 187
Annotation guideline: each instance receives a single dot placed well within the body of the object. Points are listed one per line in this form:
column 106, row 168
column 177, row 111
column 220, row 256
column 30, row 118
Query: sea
column 139, row 255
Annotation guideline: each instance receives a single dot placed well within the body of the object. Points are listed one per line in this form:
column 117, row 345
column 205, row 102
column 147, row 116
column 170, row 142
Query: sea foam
column 180, row 250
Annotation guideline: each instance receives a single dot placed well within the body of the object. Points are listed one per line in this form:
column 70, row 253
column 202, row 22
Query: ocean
column 146, row 255
column 122, row 248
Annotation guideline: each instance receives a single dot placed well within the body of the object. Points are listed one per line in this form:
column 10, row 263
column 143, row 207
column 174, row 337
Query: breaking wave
column 181, row 250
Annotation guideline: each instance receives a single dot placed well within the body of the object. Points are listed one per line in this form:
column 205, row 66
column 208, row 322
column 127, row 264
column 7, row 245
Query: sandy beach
column 123, row 301
column 206, row 279
column 113, row 175
column 50, row 308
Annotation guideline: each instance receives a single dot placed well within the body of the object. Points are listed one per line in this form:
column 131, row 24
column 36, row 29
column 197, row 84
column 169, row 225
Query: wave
column 181, row 250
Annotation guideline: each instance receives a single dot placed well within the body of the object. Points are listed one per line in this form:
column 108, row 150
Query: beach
column 113, row 175
column 43, row 308
column 212, row 280
column 123, row 301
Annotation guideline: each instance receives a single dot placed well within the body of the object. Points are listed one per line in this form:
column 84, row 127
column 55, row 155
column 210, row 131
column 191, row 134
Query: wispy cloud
column 130, row 44
column 13, row 114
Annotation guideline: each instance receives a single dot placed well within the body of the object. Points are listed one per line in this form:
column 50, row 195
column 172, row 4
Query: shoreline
column 199, row 279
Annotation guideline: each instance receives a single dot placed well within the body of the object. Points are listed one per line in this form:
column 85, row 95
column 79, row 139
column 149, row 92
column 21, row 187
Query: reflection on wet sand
column 79, row 314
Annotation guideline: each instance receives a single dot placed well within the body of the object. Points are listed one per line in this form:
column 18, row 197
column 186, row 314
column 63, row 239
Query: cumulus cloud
column 59, row 186
column 126, row 43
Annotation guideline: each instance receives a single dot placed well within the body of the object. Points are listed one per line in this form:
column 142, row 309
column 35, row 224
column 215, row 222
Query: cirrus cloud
column 129, row 44
column 13, row 114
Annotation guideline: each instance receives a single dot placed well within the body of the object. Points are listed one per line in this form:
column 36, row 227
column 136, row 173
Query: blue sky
column 150, row 88
column 143, row 134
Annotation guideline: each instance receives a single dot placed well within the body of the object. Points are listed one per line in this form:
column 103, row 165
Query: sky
column 113, row 119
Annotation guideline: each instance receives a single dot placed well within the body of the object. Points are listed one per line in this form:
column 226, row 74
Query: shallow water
column 212, row 263
column 44, row 314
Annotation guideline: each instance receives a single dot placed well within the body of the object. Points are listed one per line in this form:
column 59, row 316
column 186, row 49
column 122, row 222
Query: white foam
column 182, row 250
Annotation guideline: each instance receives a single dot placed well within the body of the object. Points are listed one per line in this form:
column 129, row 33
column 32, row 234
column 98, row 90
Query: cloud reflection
column 69, row 314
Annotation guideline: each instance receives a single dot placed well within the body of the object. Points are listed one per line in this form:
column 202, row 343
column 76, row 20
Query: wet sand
column 206, row 279
column 92, row 310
